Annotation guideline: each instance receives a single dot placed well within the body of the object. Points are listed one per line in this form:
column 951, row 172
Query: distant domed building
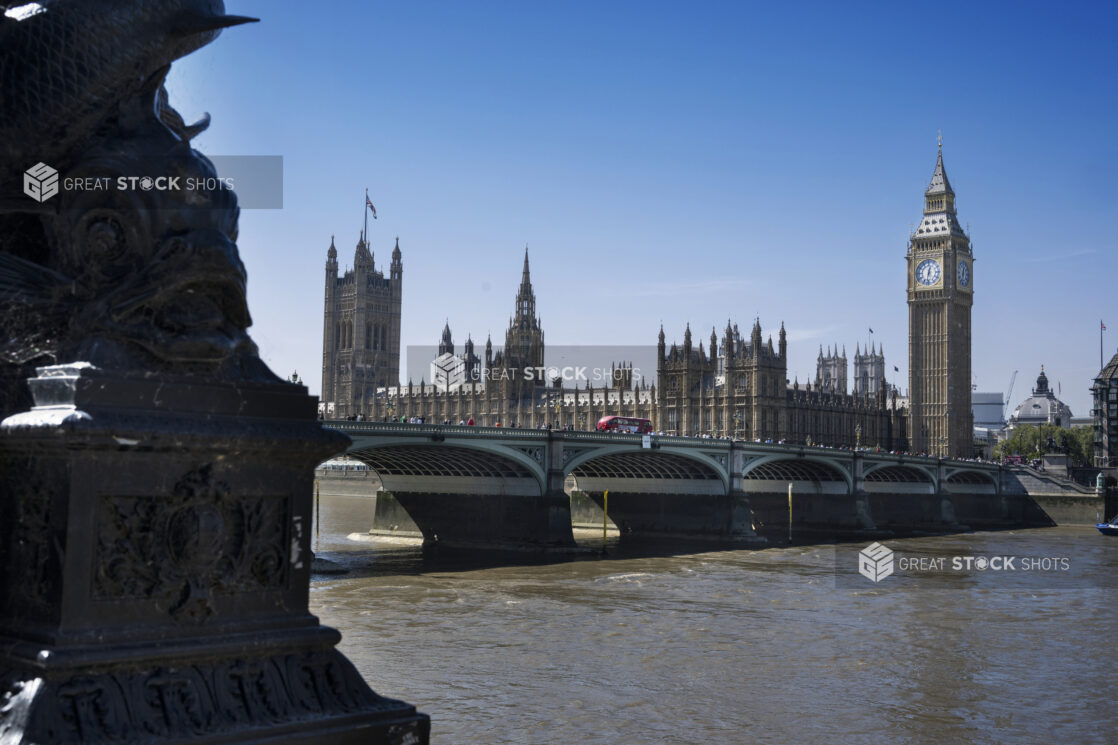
column 1042, row 407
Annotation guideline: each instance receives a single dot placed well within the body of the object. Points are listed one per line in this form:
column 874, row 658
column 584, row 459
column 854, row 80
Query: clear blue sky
column 681, row 162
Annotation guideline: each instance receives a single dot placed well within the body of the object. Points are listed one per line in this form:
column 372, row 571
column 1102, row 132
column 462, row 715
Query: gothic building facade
column 361, row 330
column 741, row 389
column 869, row 370
column 830, row 370
column 940, row 294
column 508, row 390
column 516, row 365
column 471, row 363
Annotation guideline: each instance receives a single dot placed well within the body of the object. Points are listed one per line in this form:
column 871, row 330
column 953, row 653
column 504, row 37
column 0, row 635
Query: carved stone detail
column 189, row 701
column 179, row 550
column 535, row 453
column 717, row 457
column 569, row 453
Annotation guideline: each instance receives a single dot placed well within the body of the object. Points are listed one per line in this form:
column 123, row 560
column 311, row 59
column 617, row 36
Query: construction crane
column 1005, row 406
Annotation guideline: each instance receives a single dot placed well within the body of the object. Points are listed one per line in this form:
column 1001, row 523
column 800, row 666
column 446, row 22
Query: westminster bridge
column 494, row 486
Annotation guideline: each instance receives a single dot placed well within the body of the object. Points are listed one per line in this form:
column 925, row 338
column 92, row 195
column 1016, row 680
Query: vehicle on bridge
column 626, row 424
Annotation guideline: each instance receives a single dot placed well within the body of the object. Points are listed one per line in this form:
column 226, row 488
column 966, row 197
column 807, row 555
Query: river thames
column 731, row 646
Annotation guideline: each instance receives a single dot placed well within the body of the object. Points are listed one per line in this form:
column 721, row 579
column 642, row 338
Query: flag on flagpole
column 871, row 331
column 1102, row 326
column 370, row 203
column 896, row 369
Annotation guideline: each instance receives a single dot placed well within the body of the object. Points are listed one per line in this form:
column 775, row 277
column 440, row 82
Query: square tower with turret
column 940, row 294
column 869, row 370
column 830, row 370
column 361, row 330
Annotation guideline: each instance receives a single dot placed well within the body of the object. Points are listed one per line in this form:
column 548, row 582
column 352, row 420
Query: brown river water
column 732, row 646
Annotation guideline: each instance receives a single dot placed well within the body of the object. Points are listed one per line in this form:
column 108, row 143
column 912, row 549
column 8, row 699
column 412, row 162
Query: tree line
column 1036, row 440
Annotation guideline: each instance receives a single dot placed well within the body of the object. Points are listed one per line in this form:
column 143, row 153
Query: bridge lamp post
column 857, row 436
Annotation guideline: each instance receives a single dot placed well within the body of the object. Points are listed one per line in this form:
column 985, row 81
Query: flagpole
column 365, row 211
column 1101, row 327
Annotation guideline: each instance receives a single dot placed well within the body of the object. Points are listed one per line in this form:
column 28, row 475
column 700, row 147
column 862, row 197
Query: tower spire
column 446, row 344
column 524, row 340
column 940, row 218
column 525, row 297
column 939, row 183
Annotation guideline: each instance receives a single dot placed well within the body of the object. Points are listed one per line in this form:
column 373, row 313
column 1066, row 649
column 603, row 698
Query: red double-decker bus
column 626, row 424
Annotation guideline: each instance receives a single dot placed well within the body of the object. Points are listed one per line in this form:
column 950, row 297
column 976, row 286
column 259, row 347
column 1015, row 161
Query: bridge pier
column 490, row 521
column 919, row 507
column 507, row 509
column 864, row 523
column 718, row 518
column 390, row 517
column 991, row 511
column 815, row 515
column 916, row 513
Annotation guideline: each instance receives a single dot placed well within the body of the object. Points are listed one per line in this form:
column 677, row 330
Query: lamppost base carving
column 155, row 567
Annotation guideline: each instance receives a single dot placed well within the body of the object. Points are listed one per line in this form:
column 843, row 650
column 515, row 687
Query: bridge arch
column 960, row 479
column 899, row 473
column 674, row 469
column 784, row 469
column 900, row 477
column 406, row 465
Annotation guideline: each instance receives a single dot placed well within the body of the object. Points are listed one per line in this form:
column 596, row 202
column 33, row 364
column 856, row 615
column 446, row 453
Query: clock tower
column 940, row 294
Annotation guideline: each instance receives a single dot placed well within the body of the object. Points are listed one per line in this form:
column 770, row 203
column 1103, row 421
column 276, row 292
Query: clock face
column 928, row 272
column 964, row 274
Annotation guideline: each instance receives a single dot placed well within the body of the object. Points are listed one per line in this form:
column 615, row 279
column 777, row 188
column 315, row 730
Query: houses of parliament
column 735, row 384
